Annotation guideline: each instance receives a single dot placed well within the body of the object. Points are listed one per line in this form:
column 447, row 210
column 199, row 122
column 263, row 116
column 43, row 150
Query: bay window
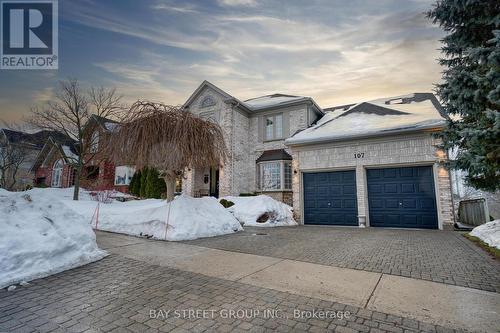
column 275, row 175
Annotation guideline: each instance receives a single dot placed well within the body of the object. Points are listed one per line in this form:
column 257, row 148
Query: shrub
column 226, row 203
column 135, row 184
column 155, row 185
column 248, row 194
column 144, row 175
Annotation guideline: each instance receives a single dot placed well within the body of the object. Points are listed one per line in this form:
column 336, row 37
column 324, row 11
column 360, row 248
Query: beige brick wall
column 401, row 150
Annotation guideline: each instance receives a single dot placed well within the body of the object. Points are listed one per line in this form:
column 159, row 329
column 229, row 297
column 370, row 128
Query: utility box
column 473, row 211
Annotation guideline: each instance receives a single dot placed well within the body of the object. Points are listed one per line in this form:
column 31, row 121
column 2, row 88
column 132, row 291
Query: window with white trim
column 57, row 171
column 273, row 127
column 94, row 142
column 124, row 174
column 275, row 175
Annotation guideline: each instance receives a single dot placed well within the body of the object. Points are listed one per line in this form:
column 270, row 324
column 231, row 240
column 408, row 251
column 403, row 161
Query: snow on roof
column 69, row 154
column 111, row 126
column 271, row 100
column 394, row 114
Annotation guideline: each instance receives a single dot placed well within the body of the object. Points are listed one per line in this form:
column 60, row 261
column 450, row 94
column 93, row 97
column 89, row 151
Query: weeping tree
column 168, row 139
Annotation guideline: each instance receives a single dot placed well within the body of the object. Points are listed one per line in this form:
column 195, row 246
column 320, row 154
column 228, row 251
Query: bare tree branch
column 167, row 138
column 70, row 113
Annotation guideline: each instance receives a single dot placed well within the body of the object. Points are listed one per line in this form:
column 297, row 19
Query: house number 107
column 359, row 155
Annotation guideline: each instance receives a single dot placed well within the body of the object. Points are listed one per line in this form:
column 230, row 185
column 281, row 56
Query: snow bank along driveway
column 41, row 236
column 248, row 209
column 184, row 218
column 488, row 233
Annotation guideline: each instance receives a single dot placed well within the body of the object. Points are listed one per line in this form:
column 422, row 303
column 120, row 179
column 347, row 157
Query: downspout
column 233, row 144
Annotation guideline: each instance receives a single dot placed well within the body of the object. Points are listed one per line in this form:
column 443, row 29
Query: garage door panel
column 403, row 197
column 391, row 204
column 427, row 204
column 389, row 173
column 376, row 189
column 407, row 188
column 349, row 189
column 335, row 190
column 390, row 188
column 409, row 203
column 376, row 203
column 334, row 195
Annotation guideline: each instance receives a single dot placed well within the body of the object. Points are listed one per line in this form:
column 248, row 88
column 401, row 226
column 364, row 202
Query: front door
column 214, row 182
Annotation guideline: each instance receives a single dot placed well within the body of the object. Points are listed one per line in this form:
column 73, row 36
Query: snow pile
column 41, row 236
column 188, row 218
column 248, row 209
column 488, row 233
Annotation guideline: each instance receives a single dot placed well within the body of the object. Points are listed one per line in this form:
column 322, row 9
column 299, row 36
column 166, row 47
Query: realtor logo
column 29, row 32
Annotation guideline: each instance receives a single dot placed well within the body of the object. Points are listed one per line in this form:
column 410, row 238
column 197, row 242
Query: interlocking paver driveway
column 117, row 294
column 440, row 256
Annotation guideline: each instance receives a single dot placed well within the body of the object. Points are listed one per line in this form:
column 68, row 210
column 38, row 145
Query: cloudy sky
column 335, row 51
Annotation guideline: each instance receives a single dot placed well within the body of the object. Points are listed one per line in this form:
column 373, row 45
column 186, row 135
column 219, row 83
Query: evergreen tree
column 144, row 175
column 149, row 183
column 471, row 89
column 135, row 184
column 159, row 186
column 155, row 185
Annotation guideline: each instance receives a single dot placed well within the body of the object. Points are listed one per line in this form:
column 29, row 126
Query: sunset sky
column 335, row 51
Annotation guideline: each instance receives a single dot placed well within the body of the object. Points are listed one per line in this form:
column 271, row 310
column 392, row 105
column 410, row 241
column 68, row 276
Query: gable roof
column 413, row 112
column 37, row 139
column 67, row 148
column 255, row 104
column 105, row 123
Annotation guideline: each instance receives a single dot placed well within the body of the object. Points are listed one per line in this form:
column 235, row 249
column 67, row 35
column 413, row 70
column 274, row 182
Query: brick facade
column 245, row 144
column 397, row 150
column 104, row 179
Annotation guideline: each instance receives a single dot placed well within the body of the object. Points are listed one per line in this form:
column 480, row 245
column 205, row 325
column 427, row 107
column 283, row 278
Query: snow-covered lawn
column 41, row 236
column 45, row 232
column 248, row 209
column 488, row 233
column 183, row 219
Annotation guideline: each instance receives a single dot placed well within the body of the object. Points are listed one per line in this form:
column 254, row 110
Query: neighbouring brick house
column 53, row 165
column 371, row 164
column 26, row 146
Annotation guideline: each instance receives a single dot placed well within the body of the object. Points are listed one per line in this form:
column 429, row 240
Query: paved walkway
column 439, row 256
column 240, row 293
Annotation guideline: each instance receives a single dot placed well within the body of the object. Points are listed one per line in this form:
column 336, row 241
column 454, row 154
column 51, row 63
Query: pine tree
column 135, row 184
column 149, row 188
column 471, row 89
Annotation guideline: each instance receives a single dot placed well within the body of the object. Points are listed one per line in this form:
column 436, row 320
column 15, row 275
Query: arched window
column 57, row 171
column 207, row 101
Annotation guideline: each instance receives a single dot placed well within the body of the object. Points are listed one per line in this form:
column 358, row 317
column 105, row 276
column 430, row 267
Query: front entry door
column 214, row 182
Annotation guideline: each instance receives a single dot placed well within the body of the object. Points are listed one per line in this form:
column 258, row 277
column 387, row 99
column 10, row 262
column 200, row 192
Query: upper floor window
column 94, row 142
column 274, row 127
column 207, row 101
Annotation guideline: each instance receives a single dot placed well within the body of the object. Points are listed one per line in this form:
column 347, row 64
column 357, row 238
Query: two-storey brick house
column 255, row 131
column 375, row 163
